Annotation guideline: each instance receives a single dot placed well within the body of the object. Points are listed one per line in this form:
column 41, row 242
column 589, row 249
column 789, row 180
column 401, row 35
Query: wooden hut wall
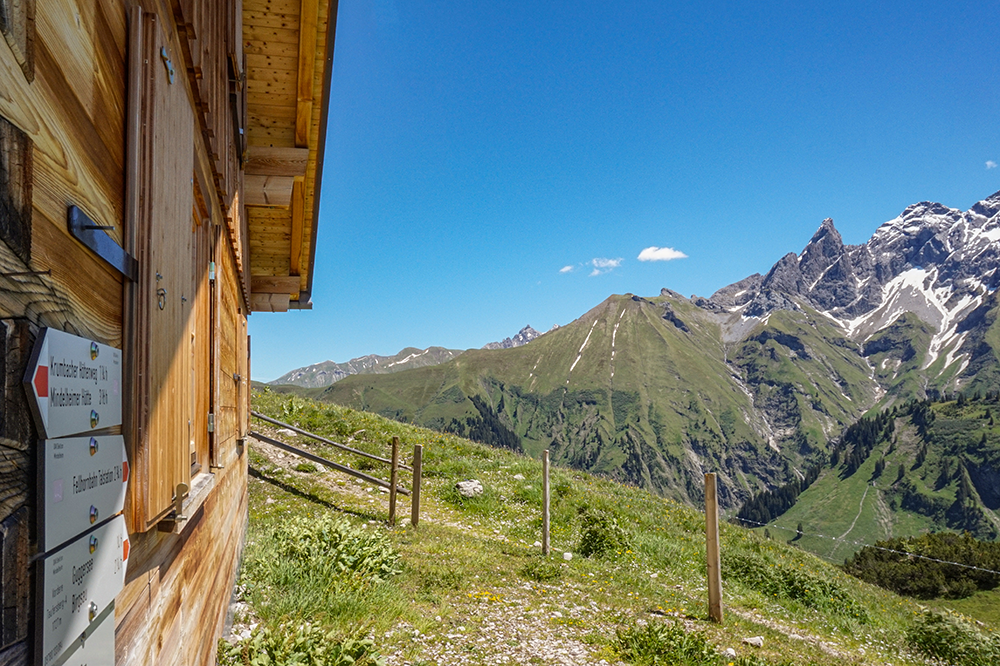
column 172, row 199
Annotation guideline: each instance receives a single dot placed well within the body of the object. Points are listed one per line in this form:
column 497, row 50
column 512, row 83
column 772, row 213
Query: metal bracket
column 166, row 63
column 97, row 239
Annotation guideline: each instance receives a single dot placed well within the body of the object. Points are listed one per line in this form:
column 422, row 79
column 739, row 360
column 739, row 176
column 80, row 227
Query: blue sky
column 492, row 165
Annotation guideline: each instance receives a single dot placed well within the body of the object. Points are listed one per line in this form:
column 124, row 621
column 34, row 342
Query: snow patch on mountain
column 579, row 354
column 934, row 261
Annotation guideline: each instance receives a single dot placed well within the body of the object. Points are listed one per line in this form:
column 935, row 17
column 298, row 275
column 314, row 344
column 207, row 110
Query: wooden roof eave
column 286, row 150
column 304, row 301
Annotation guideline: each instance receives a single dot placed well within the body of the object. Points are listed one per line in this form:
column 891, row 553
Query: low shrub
column 291, row 645
column 659, row 643
column 542, row 570
column 600, row 534
column 329, row 542
column 662, row 643
column 778, row 579
column 954, row 640
column 927, row 577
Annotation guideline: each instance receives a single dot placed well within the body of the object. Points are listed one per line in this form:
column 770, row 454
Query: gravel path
column 508, row 627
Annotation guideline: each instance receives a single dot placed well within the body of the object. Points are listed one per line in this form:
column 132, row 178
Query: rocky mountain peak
column 523, row 337
column 932, row 260
column 988, row 207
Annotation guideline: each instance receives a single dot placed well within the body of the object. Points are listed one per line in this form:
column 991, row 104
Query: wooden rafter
column 308, row 23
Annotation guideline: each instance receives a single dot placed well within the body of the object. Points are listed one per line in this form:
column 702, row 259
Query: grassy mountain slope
column 646, row 391
column 472, row 588
column 940, row 471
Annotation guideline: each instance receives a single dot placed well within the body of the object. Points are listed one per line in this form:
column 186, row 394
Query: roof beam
column 298, row 220
column 273, row 191
column 275, row 284
column 272, row 161
column 269, row 302
column 308, row 24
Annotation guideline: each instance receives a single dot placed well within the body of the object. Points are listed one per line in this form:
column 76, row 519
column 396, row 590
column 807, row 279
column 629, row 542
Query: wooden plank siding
column 143, row 114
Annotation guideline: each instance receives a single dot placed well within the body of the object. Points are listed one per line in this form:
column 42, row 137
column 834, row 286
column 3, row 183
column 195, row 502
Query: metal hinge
column 211, row 271
column 211, row 422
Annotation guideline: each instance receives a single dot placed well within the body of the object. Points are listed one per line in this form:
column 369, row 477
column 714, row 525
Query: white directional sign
column 96, row 647
column 78, row 583
column 76, row 384
column 85, row 480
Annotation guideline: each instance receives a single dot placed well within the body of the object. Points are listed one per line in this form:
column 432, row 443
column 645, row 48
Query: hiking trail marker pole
column 545, row 502
column 712, row 549
column 393, row 477
column 418, row 467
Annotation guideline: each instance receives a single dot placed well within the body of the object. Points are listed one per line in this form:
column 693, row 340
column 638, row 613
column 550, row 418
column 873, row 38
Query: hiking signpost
column 74, row 387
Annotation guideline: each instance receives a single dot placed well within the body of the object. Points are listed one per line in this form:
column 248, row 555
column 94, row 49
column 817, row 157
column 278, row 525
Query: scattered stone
column 654, row 575
column 537, row 544
column 287, row 432
column 756, row 641
column 556, row 614
column 796, row 637
column 269, row 500
column 730, row 652
column 567, row 556
column 383, row 490
column 519, row 477
column 470, row 488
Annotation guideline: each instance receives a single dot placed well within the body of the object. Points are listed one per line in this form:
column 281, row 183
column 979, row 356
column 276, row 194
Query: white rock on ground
column 287, row 433
column 470, row 488
column 756, row 641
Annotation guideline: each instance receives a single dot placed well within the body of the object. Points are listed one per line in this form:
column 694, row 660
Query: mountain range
column 319, row 375
column 754, row 382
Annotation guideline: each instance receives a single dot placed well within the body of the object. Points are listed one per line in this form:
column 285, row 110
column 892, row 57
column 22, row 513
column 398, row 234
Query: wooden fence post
column 712, row 549
column 545, row 502
column 418, row 466
column 393, row 477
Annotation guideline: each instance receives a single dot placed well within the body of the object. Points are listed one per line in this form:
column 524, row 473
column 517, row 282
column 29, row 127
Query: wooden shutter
column 231, row 331
column 163, row 299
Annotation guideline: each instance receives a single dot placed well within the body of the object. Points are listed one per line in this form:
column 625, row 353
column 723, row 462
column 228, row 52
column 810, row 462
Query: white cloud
column 566, row 269
column 990, row 164
column 654, row 253
column 604, row 265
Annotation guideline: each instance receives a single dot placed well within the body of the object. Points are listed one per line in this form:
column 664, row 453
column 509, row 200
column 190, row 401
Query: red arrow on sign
column 42, row 381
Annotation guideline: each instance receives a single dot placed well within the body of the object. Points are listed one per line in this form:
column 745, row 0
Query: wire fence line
column 867, row 545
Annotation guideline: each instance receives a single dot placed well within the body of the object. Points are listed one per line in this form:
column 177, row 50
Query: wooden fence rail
column 329, row 463
column 363, row 454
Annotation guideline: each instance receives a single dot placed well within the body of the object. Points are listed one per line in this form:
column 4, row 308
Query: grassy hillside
column 646, row 392
column 470, row 587
column 937, row 467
